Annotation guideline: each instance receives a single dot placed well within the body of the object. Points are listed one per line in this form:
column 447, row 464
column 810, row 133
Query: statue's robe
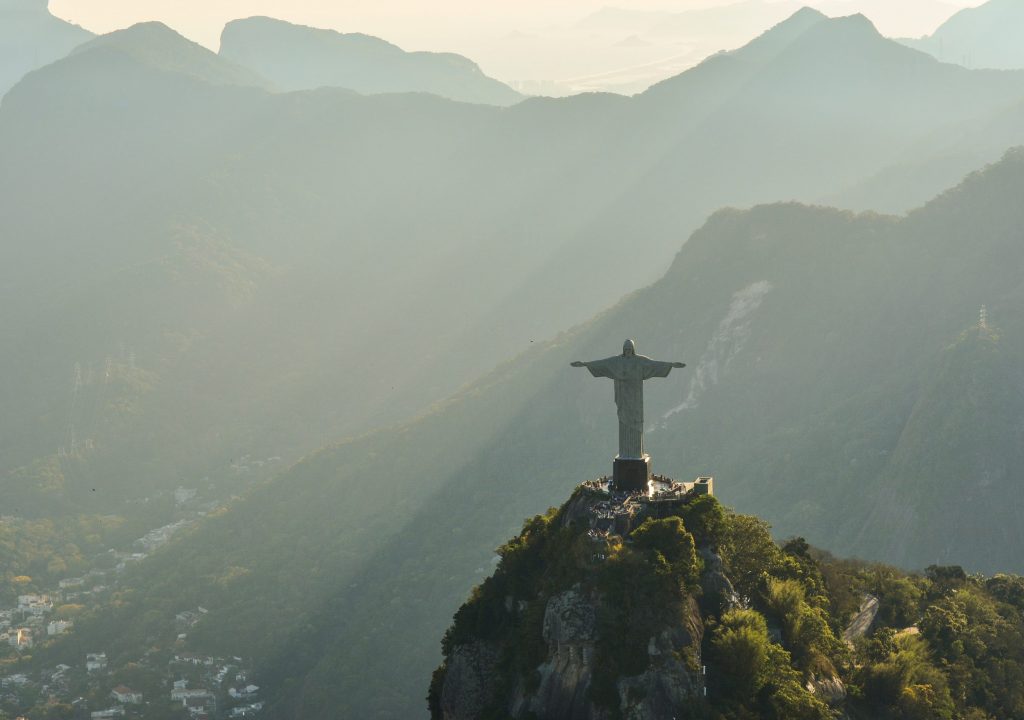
column 629, row 373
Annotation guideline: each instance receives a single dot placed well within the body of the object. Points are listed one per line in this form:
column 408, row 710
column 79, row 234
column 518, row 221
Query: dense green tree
column 670, row 542
column 742, row 652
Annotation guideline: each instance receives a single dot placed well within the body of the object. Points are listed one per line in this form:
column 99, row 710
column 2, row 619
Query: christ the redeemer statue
column 629, row 370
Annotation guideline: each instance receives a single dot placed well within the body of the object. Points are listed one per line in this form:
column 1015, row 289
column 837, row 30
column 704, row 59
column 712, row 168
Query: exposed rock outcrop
column 580, row 628
column 863, row 620
column 570, row 629
column 828, row 689
column 669, row 683
column 714, row 582
column 472, row 674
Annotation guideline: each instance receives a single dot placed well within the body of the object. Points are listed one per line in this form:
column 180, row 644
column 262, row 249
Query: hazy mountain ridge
column 132, row 270
column 535, row 450
column 954, row 151
column 810, row 407
column 652, row 42
column 987, row 36
column 234, row 270
column 158, row 46
column 30, row 37
column 295, row 57
column 528, row 215
column 961, row 441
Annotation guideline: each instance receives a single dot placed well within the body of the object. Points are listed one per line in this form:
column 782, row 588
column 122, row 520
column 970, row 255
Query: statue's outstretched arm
column 678, row 365
column 600, row 368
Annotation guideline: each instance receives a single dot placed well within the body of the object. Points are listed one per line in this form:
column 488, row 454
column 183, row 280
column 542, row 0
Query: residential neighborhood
column 169, row 681
column 179, row 685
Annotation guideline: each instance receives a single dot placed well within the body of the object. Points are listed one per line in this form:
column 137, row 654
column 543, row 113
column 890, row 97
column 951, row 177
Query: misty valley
column 307, row 343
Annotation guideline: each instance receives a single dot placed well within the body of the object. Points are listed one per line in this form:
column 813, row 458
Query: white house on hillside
column 126, row 695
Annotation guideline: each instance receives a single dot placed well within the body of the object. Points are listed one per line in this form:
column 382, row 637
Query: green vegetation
column 217, row 260
column 903, row 451
column 646, row 585
column 277, row 296
column 38, row 553
column 944, row 645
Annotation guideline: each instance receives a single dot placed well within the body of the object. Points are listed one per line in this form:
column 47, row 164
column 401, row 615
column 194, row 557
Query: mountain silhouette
column 819, row 385
column 30, row 37
column 295, row 57
column 158, row 47
column 282, row 206
column 987, row 36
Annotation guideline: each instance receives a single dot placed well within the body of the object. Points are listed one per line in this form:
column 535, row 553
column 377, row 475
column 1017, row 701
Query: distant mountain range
column 30, row 37
column 987, row 36
column 838, row 381
column 197, row 268
column 258, row 51
column 294, row 57
column 155, row 46
column 651, row 45
column 243, row 218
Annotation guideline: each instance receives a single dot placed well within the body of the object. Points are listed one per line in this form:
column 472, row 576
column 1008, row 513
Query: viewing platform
column 610, row 511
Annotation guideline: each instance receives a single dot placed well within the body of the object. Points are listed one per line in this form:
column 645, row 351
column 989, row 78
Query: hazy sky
column 536, row 41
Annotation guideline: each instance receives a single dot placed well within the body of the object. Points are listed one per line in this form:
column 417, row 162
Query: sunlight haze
column 512, row 360
column 538, row 47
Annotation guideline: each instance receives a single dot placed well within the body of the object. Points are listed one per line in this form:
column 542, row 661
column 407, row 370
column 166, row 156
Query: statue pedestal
column 631, row 474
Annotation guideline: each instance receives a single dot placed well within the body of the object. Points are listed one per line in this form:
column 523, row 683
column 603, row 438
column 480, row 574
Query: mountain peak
column 572, row 586
column 777, row 38
column 270, row 30
column 806, row 13
column 792, row 27
column 153, row 33
column 858, row 22
column 155, row 44
column 298, row 57
column 799, row 21
column 810, row 32
column 30, row 38
column 602, row 609
column 848, row 28
column 838, row 40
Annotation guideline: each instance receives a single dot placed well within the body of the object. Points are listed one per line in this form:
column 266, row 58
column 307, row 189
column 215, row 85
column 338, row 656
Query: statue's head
column 629, row 348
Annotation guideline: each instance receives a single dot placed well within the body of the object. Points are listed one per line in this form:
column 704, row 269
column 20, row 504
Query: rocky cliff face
column 470, row 681
column 570, row 629
column 666, row 605
column 565, row 639
column 563, row 685
column 570, row 632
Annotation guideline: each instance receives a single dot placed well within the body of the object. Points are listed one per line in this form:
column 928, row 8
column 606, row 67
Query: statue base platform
column 631, row 474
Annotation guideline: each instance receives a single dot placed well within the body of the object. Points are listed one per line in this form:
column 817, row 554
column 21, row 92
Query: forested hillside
column 820, row 345
column 170, row 260
column 258, row 310
column 578, row 623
